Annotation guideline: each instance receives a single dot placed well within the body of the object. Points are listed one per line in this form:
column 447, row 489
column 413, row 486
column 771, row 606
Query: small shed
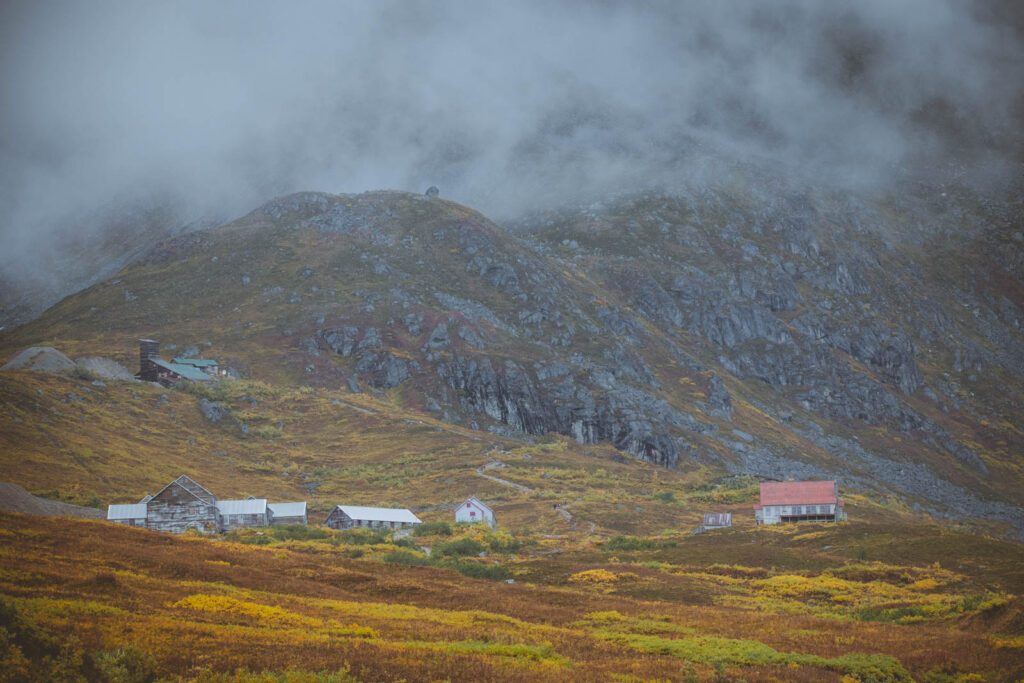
column 717, row 520
column 237, row 514
column 287, row 513
column 356, row 516
column 474, row 510
column 133, row 514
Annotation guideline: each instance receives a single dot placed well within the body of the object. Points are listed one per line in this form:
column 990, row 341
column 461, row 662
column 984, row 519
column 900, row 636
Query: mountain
column 749, row 330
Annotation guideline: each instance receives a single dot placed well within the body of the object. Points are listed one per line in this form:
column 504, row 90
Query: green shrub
column 300, row 532
column 360, row 537
column 125, row 665
column 406, row 558
column 432, row 529
column 459, row 548
column 476, row 570
column 632, row 543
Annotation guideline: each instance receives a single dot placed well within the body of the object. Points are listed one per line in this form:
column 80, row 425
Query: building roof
column 799, row 493
column 380, row 514
column 186, row 371
column 479, row 503
column 196, row 362
column 249, row 506
column 288, row 509
column 717, row 519
column 130, row 511
column 192, row 486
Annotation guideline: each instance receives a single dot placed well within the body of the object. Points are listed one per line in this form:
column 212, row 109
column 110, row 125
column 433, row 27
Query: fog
column 207, row 109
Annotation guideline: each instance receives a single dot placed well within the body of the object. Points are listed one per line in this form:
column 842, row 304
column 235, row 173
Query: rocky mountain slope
column 748, row 330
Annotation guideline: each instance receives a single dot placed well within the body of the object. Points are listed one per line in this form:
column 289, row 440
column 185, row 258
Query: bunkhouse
column 153, row 368
column 355, row 516
column 474, row 510
column 288, row 513
column 799, row 501
column 185, row 505
column 717, row 520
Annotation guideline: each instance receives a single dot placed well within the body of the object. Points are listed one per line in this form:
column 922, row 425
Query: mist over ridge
column 108, row 110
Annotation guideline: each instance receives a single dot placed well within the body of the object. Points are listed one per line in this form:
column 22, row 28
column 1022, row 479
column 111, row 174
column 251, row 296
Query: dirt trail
column 497, row 464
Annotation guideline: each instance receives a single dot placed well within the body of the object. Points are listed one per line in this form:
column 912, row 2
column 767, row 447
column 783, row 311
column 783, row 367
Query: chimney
column 148, row 349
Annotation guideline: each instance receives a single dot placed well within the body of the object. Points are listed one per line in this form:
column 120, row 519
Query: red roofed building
column 799, row 501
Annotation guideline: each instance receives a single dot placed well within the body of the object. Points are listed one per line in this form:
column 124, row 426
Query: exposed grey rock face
column 341, row 340
column 212, row 411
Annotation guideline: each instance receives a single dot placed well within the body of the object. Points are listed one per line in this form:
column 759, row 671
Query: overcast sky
column 214, row 107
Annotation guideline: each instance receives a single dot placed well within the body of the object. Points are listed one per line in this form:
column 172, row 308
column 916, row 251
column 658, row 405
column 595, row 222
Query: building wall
column 773, row 514
column 130, row 522
column 464, row 514
column 228, row 522
column 176, row 509
column 286, row 521
column 339, row 520
column 180, row 517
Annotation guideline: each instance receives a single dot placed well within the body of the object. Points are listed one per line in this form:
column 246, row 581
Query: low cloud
column 207, row 109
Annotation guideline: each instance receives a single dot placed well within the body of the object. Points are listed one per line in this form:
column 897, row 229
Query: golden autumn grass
column 197, row 608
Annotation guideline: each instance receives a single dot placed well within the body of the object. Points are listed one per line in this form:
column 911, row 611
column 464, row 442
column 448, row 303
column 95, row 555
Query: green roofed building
column 153, row 368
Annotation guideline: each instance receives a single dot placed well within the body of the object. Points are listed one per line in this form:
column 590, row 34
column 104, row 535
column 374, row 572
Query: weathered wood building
column 207, row 365
column 799, row 501
column 474, row 510
column 717, row 520
column 356, row 516
column 288, row 513
column 184, row 504
column 153, row 368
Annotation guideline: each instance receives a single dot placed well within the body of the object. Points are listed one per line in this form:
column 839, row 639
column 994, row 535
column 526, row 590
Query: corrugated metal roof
column 130, row 511
column 717, row 519
column 253, row 506
column 288, row 509
column 197, row 362
column 380, row 514
column 186, row 371
column 798, row 493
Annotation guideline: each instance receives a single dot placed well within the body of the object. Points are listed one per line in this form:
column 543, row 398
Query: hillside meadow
column 86, row 600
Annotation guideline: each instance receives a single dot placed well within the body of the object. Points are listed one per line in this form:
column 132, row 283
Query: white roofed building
column 235, row 514
column 132, row 514
column 184, row 504
column 288, row 513
column 356, row 516
column 475, row 510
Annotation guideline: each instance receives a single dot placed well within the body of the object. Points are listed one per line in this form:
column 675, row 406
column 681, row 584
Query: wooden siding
column 339, row 520
column 285, row 521
column 229, row 522
column 180, row 517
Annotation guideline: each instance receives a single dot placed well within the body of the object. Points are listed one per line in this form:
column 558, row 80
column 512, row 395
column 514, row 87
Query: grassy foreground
column 85, row 600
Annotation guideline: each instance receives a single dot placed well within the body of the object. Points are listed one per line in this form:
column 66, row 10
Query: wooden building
column 207, row 365
column 132, row 514
column 799, row 501
column 288, row 513
column 356, row 516
column 474, row 510
column 236, row 514
column 153, row 368
column 184, row 504
column 717, row 520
